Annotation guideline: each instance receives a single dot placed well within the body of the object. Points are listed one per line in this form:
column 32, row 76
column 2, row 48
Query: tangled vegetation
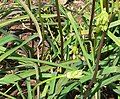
column 60, row 49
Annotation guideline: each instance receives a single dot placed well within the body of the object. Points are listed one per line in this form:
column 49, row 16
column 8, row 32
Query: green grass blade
column 115, row 23
column 112, row 69
column 33, row 19
column 2, row 49
column 45, row 90
column 8, row 96
column 45, row 81
column 7, row 39
column 29, row 89
column 20, row 90
column 69, row 88
column 9, row 52
column 59, row 86
column 75, row 27
column 114, row 38
column 104, row 82
column 52, row 86
column 8, row 21
column 40, row 61
column 11, row 78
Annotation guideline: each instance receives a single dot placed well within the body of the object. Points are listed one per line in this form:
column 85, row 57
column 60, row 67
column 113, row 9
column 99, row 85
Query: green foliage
column 31, row 64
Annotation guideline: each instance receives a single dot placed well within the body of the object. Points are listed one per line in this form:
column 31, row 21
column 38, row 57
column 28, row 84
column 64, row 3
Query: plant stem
column 42, row 28
column 91, row 19
column 38, row 30
column 60, row 29
column 20, row 90
column 96, row 67
column 8, row 96
column 107, row 6
column 38, row 80
column 101, row 5
column 29, row 6
column 98, row 58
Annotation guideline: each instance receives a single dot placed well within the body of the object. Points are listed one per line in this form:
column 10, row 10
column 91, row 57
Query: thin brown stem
column 107, row 6
column 60, row 29
column 91, row 19
column 97, row 59
column 96, row 67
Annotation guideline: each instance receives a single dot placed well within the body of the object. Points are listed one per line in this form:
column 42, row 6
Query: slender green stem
column 8, row 96
column 101, row 5
column 60, row 29
column 42, row 31
column 29, row 88
column 20, row 90
column 9, row 88
column 38, row 79
column 86, row 5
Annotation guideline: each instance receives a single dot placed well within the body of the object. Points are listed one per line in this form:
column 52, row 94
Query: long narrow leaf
column 115, row 23
column 75, row 27
column 7, row 39
column 114, row 38
column 9, row 52
column 40, row 61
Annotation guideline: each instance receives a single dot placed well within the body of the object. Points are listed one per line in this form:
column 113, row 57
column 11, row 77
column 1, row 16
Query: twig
column 60, row 29
column 91, row 19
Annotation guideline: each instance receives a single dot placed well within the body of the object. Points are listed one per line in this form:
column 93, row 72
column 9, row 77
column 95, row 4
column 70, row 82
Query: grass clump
column 50, row 49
